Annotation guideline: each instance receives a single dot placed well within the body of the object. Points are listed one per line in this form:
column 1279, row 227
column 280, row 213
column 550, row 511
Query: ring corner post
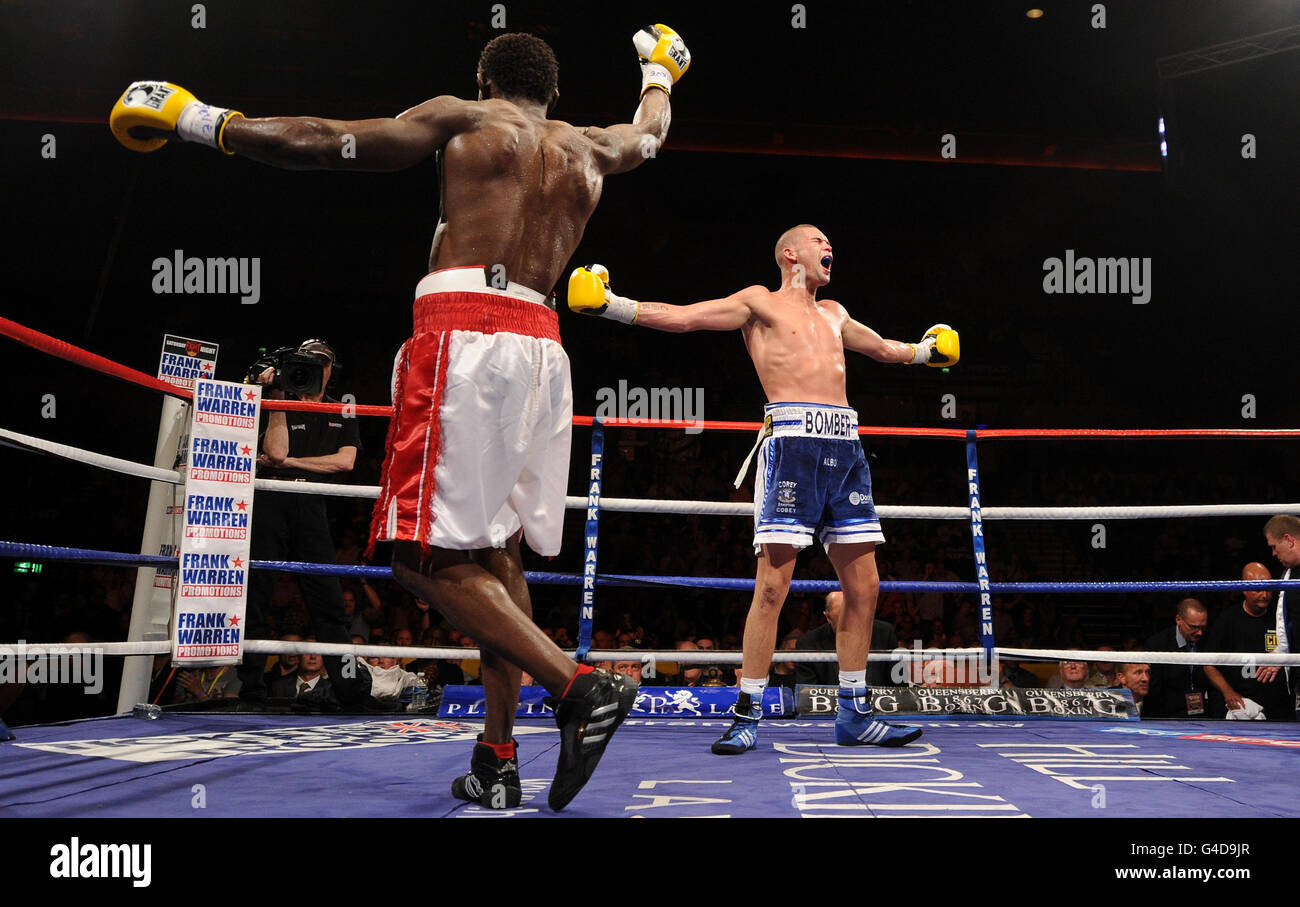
column 989, row 667
column 151, row 607
column 587, row 607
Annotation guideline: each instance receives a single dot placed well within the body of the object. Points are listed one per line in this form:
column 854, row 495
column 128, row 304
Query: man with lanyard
column 1178, row 690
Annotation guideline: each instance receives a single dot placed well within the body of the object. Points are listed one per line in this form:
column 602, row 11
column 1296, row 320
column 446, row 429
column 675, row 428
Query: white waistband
column 812, row 420
column 473, row 279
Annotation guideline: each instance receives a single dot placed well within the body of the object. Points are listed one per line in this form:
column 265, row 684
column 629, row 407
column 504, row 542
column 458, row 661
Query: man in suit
column 308, row 684
column 822, row 638
column 1178, row 691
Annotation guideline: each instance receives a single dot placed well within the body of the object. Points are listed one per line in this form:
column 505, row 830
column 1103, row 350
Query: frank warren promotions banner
column 651, row 702
column 815, row 701
column 183, row 361
column 213, row 589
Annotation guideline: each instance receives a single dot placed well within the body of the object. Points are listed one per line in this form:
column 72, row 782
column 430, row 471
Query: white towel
column 1249, row 711
column 388, row 683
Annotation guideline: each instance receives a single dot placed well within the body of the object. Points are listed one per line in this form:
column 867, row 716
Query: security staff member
column 301, row 447
column 1250, row 627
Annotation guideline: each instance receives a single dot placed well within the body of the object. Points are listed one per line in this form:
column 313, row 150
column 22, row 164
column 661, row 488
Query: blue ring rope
column 27, row 551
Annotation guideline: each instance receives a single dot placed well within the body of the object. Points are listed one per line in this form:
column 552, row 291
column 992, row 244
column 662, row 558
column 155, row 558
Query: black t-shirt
column 313, row 435
column 1237, row 631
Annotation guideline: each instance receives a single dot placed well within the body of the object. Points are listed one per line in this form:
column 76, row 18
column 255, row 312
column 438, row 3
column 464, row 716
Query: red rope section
column 713, row 425
column 990, row 434
column 63, row 350
column 302, row 406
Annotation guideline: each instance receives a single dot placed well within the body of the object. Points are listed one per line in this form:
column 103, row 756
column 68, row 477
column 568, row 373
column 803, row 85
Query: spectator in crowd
column 1179, row 690
column 357, row 624
column 1016, row 677
column 1248, row 627
column 1136, row 678
column 1103, row 672
column 713, row 675
column 688, row 673
column 1073, row 675
column 206, row 684
column 930, row 604
column 628, row 666
column 372, row 606
column 307, row 685
column 285, row 665
column 822, row 639
column 965, row 623
column 783, row 673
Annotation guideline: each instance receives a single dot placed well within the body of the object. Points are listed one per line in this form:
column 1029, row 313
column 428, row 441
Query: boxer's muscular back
column 517, row 191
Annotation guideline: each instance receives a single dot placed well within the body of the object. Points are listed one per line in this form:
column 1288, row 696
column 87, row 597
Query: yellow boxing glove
column 589, row 294
column 664, row 57
column 939, row 348
column 147, row 108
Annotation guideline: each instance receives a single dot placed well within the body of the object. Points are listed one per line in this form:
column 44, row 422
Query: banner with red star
column 212, row 583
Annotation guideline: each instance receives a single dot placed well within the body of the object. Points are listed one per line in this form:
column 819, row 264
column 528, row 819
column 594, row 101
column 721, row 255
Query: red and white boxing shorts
column 483, row 410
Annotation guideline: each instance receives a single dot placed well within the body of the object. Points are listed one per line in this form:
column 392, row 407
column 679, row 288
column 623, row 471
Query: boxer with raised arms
column 478, row 448
column 813, row 480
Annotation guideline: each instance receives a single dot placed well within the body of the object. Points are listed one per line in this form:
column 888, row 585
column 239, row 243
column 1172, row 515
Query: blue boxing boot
column 855, row 725
column 743, row 733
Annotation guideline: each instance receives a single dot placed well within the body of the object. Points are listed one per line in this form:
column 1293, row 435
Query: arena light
column 27, row 567
column 1164, row 145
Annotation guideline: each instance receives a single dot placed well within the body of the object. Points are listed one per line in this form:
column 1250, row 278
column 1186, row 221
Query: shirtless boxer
column 812, row 475
column 478, row 448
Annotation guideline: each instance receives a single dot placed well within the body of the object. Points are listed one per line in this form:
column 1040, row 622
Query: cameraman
column 301, row 447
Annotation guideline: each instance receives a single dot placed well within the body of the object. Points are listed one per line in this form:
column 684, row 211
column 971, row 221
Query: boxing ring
column 964, row 765
column 333, row 766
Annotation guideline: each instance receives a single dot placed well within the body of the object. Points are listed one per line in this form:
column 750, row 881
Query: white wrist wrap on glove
column 654, row 75
column 620, row 308
column 921, row 351
column 201, row 123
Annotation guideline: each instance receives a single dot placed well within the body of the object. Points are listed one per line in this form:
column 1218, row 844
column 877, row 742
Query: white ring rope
column 103, row 461
column 698, row 508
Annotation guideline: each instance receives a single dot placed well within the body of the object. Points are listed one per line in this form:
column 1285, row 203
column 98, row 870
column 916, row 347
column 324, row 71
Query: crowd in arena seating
column 94, row 602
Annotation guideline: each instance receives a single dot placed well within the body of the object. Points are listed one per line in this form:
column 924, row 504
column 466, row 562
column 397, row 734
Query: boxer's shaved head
column 788, row 239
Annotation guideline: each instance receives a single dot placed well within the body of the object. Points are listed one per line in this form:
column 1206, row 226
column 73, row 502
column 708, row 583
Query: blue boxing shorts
column 812, row 479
